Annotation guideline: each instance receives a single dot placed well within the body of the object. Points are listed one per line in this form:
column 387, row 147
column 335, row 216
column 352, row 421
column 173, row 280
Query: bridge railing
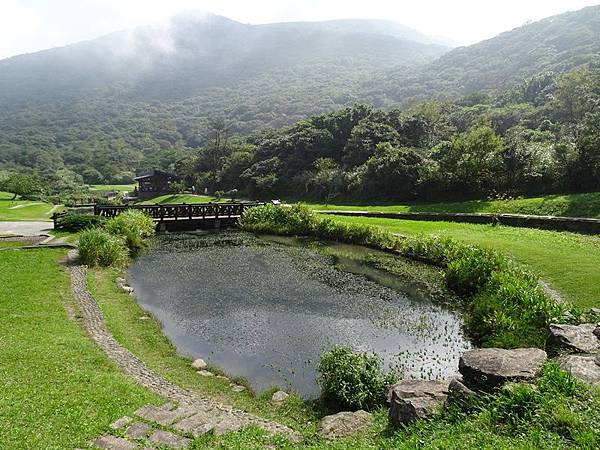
column 182, row 211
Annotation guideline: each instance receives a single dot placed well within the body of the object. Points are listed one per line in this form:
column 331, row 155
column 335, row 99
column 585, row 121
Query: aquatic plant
column 134, row 226
column 97, row 247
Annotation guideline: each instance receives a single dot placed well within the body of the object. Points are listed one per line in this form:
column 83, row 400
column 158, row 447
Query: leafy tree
column 21, row 184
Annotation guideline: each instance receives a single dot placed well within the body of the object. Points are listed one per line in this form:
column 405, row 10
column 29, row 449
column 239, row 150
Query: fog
column 32, row 25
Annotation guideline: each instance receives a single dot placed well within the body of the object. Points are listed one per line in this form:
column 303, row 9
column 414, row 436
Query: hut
column 154, row 183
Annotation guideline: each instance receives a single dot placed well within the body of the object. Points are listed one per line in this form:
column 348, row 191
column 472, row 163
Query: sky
column 31, row 25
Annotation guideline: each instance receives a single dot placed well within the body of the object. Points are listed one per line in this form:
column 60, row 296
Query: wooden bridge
column 184, row 216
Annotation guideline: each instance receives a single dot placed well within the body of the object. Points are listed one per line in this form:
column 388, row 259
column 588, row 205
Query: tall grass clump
column 353, row 380
column 97, row 247
column 505, row 305
column 134, row 226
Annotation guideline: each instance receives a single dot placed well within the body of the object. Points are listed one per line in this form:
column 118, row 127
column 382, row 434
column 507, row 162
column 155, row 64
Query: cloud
column 29, row 25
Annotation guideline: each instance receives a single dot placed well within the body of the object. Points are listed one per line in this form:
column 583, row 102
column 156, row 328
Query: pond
column 266, row 309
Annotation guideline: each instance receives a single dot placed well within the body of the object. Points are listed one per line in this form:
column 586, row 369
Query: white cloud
column 30, row 25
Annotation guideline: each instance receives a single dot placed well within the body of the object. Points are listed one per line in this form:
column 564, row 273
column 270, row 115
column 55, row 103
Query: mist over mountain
column 142, row 98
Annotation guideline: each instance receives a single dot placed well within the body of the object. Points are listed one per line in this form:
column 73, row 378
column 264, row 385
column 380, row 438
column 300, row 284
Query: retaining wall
column 575, row 224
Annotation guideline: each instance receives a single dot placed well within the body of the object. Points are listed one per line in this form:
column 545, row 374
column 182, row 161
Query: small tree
column 20, row 184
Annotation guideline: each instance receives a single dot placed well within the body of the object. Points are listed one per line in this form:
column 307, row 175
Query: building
column 154, row 183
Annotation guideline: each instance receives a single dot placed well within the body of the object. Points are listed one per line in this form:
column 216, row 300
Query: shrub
column 77, row 222
column 97, row 247
column 294, row 220
column 470, row 272
column 353, row 380
column 134, row 226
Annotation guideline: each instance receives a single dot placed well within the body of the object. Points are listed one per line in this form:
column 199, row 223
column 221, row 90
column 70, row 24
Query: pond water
column 266, row 310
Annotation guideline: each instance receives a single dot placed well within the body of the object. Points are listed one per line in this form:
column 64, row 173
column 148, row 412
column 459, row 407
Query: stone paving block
column 138, row 430
column 169, row 439
column 120, row 423
column 199, row 424
column 228, row 425
column 163, row 416
column 113, row 443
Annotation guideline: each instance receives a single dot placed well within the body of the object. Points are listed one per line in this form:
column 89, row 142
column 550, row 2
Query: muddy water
column 266, row 310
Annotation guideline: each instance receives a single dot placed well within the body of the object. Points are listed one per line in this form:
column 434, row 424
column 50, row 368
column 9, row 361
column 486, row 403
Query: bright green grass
column 112, row 187
column 15, row 210
column 182, row 198
column 569, row 262
column 575, row 205
column 57, row 389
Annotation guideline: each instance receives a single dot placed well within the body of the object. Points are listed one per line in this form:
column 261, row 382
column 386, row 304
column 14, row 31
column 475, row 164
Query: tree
column 20, row 184
column 328, row 180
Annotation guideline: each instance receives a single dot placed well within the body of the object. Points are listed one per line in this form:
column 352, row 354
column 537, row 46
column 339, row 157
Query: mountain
column 557, row 44
column 142, row 98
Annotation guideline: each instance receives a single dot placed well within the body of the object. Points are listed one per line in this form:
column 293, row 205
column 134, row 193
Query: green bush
column 97, row 247
column 353, row 380
column 134, row 226
column 470, row 272
column 293, row 220
column 77, row 222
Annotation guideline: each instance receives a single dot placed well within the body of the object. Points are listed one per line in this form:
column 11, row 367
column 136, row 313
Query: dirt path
column 25, row 228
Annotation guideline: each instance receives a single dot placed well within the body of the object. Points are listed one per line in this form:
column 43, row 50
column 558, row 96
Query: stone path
column 25, row 228
column 193, row 416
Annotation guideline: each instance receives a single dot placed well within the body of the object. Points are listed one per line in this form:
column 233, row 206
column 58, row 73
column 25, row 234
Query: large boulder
column 459, row 393
column 574, row 338
column 489, row 368
column 416, row 399
column 585, row 368
column 344, row 424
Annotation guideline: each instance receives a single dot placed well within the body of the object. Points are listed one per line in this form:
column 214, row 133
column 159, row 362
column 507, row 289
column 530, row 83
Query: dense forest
column 541, row 136
column 225, row 105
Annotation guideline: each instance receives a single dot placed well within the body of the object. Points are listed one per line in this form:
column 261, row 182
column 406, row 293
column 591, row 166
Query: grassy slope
column 27, row 210
column 568, row 262
column 112, row 187
column 181, row 198
column 58, row 389
column 575, row 205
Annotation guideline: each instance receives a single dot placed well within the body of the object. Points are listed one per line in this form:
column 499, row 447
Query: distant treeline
column 539, row 137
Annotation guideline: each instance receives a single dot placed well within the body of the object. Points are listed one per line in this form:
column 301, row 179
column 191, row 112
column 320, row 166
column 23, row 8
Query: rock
column 120, row 423
column 574, row 338
column 199, row 364
column 279, row 397
column 585, row 368
column 416, row 399
column 344, row 424
column 595, row 312
column 205, row 373
column 169, row 439
column 597, row 332
column 163, row 416
column 113, row 443
column 459, row 393
column 238, row 388
column 138, row 430
column 489, row 368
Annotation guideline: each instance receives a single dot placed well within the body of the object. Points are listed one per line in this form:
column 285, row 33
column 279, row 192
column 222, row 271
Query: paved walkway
column 25, row 228
column 195, row 415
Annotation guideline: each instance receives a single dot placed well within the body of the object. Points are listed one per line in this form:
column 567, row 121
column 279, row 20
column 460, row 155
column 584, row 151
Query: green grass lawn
column 575, row 205
column 15, row 210
column 112, row 187
column 569, row 262
column 182, row 198
column 58, row 390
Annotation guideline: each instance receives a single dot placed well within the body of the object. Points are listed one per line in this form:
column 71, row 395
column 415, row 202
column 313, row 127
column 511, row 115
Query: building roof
column 155, row 173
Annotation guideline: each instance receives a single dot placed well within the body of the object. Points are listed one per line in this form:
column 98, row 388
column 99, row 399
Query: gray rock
column 237, row 388
column 200, row 423
column 597, row 332
column 199, row 364
column 169, row 439
column 585, row 368
column 138, row 430
column 574, row 338
column 459, row 393
column 205, row 373
column 489, row 368
column 120, row 423
column 113, row 443
column 279, row 398
column 344, row 424
column 163, row 416
column 416, row 399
